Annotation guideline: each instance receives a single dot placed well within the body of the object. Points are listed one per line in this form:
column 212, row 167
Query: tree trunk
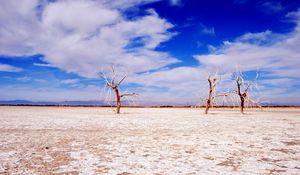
column 207, row 106
column 241, row 95
column 242, row 105
column 208, row 102
column 118, row 98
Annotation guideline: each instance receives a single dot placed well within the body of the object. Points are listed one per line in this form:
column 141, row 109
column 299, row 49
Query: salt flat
column 91, row 140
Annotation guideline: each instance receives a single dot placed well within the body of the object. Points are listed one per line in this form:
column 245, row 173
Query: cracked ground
column 93, row 140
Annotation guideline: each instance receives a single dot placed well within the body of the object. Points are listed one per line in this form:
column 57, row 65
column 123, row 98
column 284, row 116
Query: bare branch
column 249, row 84
column 129, row 94
column 113, row 75
column 255, row 103
column 222, row 95
column 102, row 89
column 106, row 80
column 121, row 80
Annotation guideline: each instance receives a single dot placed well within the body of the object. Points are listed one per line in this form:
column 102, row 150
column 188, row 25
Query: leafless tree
column 114, row 86
column 243, row 91
column 213, row 81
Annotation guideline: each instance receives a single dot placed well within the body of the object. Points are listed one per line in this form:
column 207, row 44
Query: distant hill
column 64, row 103
column 92, row 103
column 124, row 103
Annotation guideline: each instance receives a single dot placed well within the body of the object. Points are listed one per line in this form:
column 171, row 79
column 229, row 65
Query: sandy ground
column 73, row 140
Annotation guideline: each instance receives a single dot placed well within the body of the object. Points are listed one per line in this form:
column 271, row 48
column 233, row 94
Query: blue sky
column 54, row 50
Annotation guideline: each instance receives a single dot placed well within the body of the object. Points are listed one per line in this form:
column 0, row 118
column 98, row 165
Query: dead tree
column 114, row 86
column 242, row 92
column 213, row 81
column 242, row 95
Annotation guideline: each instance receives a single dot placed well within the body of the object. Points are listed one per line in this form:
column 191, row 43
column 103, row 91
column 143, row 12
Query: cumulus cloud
column 275, row 55
column 84, row 36
column 170, row 77
column 181, row 84
column 19, row 26
column 80, row 17
column 277, row 58
column 261, row 38
column 9, row 68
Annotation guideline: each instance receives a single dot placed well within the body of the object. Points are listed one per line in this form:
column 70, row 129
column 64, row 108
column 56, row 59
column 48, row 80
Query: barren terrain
column 75, row 140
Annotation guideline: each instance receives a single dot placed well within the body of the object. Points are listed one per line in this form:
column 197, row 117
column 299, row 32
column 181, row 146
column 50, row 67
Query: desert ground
column 94, row 140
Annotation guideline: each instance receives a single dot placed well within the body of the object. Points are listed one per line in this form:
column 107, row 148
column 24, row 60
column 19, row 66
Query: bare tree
column 242, row 95
column 242, row 91
column 213, row 81
column 113, row 85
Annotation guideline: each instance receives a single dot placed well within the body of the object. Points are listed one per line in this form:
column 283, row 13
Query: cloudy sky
column 54, row 50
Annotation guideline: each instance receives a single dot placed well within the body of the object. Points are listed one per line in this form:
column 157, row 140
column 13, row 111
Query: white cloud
column 84, row 36
column 277, row 56
column 43, row 65
column 261, row 38
column 70, row 81
column 9, row 68
column 178, row 85
column 80, row 17
column 170, row 77
column 107, row 38
column 25, row 78
column 285, row 82
column 19, row 26
column 48, row 94
column 124, row 4
column 281, row 58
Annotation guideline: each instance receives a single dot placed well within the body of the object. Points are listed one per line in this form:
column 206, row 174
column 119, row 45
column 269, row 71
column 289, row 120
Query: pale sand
column 73, row 140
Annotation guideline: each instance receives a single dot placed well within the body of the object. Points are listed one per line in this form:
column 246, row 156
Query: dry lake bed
column 93, row 140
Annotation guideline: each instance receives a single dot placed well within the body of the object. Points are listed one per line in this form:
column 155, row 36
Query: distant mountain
column 124, row 103
column 64, row 103
column 280, row 104
column 93, row 103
